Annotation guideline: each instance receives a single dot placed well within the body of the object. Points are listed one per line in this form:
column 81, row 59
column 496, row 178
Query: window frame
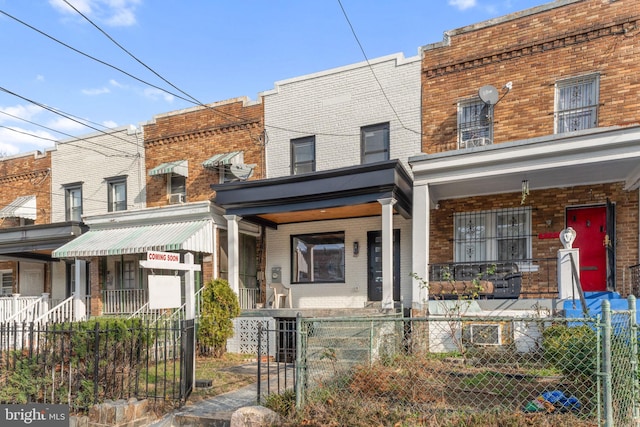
column 386, row 150
column 490, row 235
column 298, row 143
column 591, row 107
column 481, row 129
column 112, row 184
column 126, row 274
column 170, row 187
column 3, row 288
column 331, row 237
column 69, row 207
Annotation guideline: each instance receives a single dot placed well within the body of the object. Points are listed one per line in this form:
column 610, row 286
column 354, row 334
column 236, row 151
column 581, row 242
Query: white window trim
column 572, row 81
column 481, row 140
column 2, row 288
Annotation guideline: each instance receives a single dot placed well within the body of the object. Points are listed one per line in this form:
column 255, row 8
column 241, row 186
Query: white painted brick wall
column 352, row 293
column 333, row 105
column 91, row 159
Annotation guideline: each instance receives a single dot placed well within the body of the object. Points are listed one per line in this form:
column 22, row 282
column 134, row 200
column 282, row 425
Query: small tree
column 219, row 306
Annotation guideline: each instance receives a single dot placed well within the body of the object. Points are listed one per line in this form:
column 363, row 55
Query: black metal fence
column 84, row 363
column 276, row 357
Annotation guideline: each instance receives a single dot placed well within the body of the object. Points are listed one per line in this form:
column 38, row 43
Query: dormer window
column 475, row 127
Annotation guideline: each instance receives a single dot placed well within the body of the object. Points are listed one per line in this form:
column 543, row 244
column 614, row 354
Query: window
column 317, row 258
column 475, row 124
column 73, row 202
column 117, row 197
column 126, row 275
column 6, row 282
column 374, row 143
column 303, row 155
column 577, row 103
column 503, row 235
column 177, row 188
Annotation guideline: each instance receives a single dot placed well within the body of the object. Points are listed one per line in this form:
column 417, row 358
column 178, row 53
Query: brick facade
column 533, row 50
column 197, row 134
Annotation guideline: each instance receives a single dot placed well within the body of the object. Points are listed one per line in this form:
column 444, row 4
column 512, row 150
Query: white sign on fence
column 164, row 292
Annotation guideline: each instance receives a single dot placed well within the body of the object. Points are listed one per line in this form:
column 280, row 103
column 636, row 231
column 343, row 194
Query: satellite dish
column 241, row 172
column 488, row 94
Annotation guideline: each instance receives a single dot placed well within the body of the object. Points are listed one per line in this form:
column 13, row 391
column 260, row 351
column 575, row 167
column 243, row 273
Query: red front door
column 591, row 228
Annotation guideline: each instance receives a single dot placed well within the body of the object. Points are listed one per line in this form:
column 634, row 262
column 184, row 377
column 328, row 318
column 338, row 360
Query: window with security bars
column 475, row 127
column 576, row 104
column 6, row 282
column 500, row 235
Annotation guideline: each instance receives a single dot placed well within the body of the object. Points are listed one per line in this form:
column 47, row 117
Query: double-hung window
column 177, row 188
column 374, row 143
column 475, row 125
column 126, row 275
column 500, row 235
column 73, row 202
column 576, row 104
column 303, row 155
column 318, row 258
column 117, row 196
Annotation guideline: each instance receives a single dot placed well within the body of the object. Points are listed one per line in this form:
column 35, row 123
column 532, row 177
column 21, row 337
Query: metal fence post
column 634, row 355
column 259, row 385
column 606, row 363
column 299, row 358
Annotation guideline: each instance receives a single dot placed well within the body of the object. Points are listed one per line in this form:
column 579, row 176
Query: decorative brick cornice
column 30, row 175
column 203, row 133
column 620, row 27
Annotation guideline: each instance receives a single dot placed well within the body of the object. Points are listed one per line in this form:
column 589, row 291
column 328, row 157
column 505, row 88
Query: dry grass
column 223, row 379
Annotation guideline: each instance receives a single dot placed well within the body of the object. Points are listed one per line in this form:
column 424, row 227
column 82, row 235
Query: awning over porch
column 196, row 236
column 21, row 207
column 179, row 167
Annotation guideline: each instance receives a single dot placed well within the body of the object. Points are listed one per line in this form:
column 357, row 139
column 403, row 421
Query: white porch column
column 567, row 286
column 189, row 289
column 387, row 251
column 420, row 245
column 233, row 249
column 79, row 293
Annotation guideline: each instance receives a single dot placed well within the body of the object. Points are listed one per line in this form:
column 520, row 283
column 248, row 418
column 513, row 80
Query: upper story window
column 303, row 155
column 318, row 258
column 117, row 196
column 177, row 188
column 73, row 202
column 501, row 235
column 374, row 143
column 475, row 125
column 576, row 104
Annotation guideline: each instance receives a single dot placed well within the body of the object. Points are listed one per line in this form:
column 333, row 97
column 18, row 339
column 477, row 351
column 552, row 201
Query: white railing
column 62, row 312
column 123, row 301
column 15, row 307
column 248, row 297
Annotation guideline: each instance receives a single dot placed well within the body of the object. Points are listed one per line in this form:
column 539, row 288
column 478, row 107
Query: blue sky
column 209, row 49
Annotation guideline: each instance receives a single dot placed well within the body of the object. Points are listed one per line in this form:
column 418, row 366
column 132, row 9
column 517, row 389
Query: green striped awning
column 220, row 159
column 195, row 236
column 180, row 167
column 22, row 207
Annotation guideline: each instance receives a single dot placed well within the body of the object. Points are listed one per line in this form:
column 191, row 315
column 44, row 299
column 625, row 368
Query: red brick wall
column 196, row 135
column 546, row 205
column 534, row 52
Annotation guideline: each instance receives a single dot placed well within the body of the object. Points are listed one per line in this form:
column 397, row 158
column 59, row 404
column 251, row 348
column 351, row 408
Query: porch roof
column 21, row 207
column 196, row 236
column 349, row 192
column 593, row 156
column 35, row 242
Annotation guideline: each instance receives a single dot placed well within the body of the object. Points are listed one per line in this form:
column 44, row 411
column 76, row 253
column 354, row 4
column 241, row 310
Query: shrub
column 219, row 306
column 571, row 349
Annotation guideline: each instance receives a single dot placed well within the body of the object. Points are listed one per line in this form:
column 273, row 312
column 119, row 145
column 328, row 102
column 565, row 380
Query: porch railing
column 123, row 301
column 539, row 275
column 12, row 305
column 248, row 298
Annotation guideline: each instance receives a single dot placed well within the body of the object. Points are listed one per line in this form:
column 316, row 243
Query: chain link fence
column 415, row 370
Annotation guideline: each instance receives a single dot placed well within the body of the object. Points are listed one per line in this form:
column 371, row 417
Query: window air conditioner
column 176, row 198
column 475, row 142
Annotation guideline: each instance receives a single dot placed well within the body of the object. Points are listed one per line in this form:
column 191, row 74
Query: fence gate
column 187, row 358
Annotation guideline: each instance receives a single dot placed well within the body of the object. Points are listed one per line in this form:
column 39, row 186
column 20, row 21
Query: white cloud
column 39, row 78
column 156, row 94
column 114, row 13
column 462, row 4
column 98, row 91
column 26, row 112
column 109, row 124
column 66, row 125
column 19, row 140
column 115, row 83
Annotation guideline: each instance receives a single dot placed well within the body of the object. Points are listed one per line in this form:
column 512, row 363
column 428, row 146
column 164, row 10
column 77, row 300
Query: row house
column 530, row 125
column 184, row 152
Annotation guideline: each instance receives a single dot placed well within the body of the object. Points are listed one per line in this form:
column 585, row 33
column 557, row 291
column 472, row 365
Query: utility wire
column 353, row 31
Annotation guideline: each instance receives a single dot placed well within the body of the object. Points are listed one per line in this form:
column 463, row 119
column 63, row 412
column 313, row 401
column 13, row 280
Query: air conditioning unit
column 484, row 334
column 475, row 142
column 175, row 199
